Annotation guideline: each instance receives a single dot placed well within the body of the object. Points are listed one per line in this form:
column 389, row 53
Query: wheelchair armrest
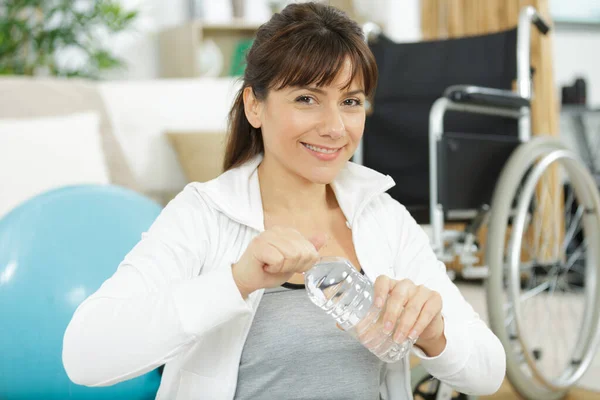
column 482, row 96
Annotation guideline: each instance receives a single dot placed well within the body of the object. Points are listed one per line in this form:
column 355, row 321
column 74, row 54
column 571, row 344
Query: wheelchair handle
column 371, row 31
column 528, row 16
column 539, row 22
column 534, row 16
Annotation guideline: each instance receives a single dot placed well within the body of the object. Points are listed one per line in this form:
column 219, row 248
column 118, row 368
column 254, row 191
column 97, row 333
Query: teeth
column 319, row 149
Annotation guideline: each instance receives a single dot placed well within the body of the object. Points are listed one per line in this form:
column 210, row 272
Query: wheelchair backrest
column 412, row 76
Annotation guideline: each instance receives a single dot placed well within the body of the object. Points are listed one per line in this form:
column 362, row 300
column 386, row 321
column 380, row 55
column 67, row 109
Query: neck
column 284, row 191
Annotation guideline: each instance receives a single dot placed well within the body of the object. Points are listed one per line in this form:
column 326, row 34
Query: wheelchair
column 447, row 124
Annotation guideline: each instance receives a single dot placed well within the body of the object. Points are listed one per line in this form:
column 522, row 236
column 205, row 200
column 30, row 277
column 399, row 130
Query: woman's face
column 312, row 132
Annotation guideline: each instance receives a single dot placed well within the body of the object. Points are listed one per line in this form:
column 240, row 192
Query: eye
column 353, row 102
column 304, row 99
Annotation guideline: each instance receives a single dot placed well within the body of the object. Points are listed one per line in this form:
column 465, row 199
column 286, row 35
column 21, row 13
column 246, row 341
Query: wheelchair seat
column 474, row 147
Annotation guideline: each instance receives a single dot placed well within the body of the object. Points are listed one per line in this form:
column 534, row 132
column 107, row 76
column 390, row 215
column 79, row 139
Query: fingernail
column 378, row 302
column 387, row 328
column 413, row 335
column 399, row 338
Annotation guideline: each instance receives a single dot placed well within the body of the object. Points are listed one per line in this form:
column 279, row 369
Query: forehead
column 343, row 80
column 322, row 71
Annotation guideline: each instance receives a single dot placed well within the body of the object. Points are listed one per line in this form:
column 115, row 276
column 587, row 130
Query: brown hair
column 305, row 44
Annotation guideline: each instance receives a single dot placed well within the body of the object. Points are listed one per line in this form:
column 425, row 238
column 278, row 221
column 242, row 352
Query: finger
column 399, row 297
column 369, row 328
column 309, row 253
column 431, row 309
column 381, row 290
column 300, row 254
column 374, row 337
column 410, row 314
column 271, row 257
column 290, row 250
column 277, row 238
column 309, row 258
column 377, row 341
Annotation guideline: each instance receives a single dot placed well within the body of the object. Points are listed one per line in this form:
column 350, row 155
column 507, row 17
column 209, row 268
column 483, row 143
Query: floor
column 589, row 386
column 506, row 392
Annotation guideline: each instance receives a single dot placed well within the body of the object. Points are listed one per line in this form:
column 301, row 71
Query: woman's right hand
column 273, row 257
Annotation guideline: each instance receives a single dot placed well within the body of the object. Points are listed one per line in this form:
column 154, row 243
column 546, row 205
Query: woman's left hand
column 410, row 311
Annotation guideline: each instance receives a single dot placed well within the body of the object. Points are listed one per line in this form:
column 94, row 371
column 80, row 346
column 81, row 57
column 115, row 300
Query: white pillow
column 40, row 154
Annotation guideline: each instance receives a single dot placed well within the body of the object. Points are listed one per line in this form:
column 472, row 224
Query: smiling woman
column 215, row 288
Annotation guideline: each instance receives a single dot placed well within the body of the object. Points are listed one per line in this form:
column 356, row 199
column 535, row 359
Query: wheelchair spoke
column 568, row 207
column 577, row 255
column 540, row 229
column 574, row 228
column 535, row 291
column 509, row 320
column 547, row 309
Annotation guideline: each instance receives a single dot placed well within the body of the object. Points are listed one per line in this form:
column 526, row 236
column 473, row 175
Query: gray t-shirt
column 295, row 351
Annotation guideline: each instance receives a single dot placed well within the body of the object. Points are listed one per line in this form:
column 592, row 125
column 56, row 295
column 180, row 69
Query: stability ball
column 55, row 250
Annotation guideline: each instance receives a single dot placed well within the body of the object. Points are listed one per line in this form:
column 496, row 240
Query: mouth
column 322, row 149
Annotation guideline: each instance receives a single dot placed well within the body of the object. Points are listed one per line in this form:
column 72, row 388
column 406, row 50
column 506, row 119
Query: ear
column 252, row 108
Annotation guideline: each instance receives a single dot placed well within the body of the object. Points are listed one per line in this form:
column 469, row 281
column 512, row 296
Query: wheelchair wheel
column 543, row 251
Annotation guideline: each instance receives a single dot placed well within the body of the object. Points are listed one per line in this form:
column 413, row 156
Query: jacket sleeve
column 473, row 361
column 158, row 302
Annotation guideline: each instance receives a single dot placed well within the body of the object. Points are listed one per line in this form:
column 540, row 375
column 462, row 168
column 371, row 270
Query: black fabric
column 469, row 167
column 411, row 77
column 301, row 285
column 293, row 285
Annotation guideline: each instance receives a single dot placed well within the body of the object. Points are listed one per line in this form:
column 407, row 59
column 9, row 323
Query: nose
column 333, row 124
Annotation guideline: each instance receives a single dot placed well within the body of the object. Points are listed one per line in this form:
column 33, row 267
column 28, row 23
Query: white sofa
column 134, row 117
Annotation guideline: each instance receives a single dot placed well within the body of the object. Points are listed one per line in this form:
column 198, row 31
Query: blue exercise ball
column 55, row 250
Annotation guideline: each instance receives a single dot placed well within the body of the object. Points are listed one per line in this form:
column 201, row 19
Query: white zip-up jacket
column 173, row 300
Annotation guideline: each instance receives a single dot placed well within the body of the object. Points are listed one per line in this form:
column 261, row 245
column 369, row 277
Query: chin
column 322, row 176
column 322, row 180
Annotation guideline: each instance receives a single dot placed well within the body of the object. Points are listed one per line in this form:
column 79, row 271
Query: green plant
column 33, row 33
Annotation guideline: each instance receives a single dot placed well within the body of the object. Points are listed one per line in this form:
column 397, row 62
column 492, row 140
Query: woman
column 211, row 289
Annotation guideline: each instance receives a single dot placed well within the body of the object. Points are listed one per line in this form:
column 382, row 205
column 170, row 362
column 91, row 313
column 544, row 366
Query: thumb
column 319, row 240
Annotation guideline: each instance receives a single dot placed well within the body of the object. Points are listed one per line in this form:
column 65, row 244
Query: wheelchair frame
column 489, row 101
column 516, row 105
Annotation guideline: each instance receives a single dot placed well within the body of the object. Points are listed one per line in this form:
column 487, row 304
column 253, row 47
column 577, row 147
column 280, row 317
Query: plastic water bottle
column 340, row 290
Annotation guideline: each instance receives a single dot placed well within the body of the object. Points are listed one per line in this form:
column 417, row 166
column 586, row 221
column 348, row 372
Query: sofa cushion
column 36, row 155
column 26, row 97
column 142, row 111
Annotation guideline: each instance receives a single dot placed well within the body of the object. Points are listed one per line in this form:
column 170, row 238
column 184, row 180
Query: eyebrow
column 321, row 91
